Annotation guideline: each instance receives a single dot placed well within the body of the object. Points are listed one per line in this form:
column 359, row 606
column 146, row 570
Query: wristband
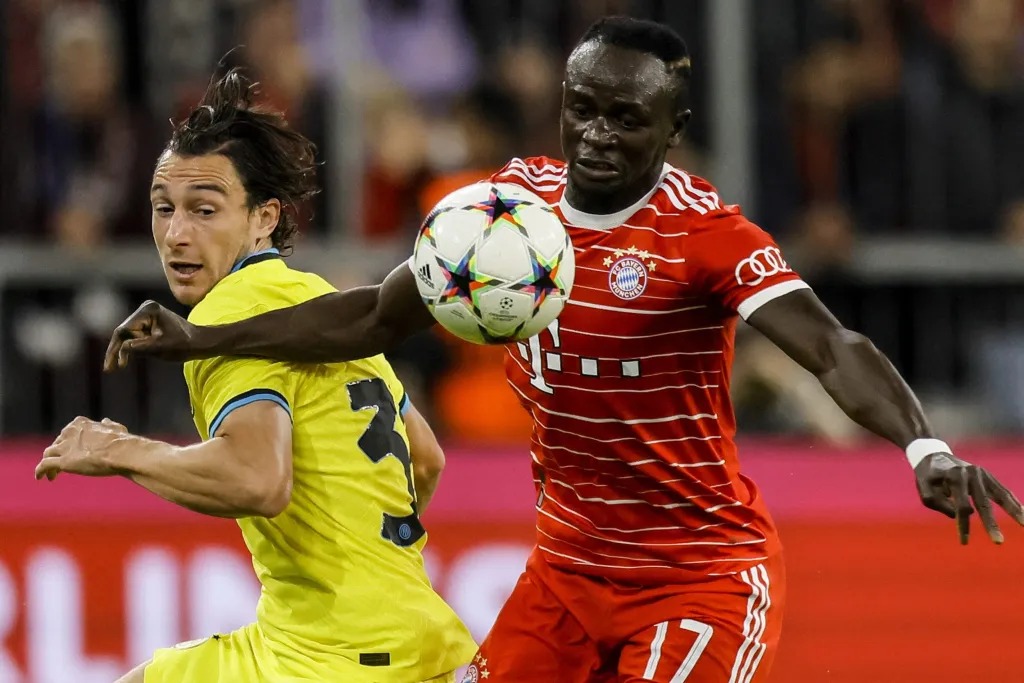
column 919, row 449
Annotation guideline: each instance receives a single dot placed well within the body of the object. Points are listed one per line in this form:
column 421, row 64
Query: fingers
column 115, row 357
column 117, row 426
column 128, row 347
column 49, row 466
column 110, row 358
column 137, row 346
column 935, row 498
column 980, row 497
column 1003, row 497
column 960, row 492
column 138, row 325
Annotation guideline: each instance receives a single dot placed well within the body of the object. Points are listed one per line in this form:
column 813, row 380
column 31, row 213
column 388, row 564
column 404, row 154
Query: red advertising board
column 95, row 573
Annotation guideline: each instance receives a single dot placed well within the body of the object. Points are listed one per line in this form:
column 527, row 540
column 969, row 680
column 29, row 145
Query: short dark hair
column 272, row 160
column 649, row 37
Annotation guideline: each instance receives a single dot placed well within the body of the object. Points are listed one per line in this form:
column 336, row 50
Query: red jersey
column 634, row 458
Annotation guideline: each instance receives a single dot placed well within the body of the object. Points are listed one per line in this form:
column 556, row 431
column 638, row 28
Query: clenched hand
column 151, row 330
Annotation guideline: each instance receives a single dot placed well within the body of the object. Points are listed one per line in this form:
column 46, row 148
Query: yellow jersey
column 345, row 593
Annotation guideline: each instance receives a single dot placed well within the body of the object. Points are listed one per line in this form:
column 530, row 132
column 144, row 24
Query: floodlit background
column 880, row 141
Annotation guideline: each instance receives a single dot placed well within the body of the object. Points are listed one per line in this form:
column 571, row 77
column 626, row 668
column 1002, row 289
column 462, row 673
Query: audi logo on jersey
column 762, row 264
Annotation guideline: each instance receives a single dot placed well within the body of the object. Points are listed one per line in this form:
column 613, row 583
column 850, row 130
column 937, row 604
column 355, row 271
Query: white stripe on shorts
column 749, row 655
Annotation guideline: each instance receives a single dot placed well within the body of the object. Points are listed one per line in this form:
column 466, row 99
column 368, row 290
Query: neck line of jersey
column 256, row 257
column 607, row 221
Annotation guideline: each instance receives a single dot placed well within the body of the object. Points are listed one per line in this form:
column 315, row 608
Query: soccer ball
column 493, row 263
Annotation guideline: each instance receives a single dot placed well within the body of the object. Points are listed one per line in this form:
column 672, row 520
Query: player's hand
column 81, row 448
column 151, row 330
column 957, row 488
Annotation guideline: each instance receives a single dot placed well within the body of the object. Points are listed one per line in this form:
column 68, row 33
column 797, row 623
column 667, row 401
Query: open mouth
column 185, row 269
column 597, row 165
column 597, row 170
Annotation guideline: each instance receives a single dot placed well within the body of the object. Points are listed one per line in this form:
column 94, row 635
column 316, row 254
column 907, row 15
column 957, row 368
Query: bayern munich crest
column 477, row 671
column 628, row 277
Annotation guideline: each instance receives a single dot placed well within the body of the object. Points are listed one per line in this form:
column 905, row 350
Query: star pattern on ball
column 462, row 282
column 427, row 229
column 541, row 283
column 501, row 209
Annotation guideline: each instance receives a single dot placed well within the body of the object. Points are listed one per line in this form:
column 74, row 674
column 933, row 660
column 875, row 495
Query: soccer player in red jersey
column 656, row 559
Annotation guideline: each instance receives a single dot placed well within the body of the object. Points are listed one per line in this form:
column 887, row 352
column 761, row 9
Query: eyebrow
column 210, row 187
column 587, row 91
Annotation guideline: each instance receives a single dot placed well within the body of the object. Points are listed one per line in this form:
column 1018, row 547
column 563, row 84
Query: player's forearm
column 856, row 375
column 341, row 326
column 425, row 479
column 862, row 381
column 331, row 328
column 203, row 477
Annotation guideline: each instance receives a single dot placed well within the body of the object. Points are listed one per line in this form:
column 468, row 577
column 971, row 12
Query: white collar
column 607, row 221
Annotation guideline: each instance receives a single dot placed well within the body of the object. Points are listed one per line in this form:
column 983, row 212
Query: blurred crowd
column 870, row 116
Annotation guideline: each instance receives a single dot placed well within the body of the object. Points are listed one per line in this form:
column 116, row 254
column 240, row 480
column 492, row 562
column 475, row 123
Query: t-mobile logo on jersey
column 552, row 362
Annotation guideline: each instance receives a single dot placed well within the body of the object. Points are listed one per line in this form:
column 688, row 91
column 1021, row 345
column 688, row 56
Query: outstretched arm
column 862, row 381
column 245, row 470
column 341, row 326
column 858, row 377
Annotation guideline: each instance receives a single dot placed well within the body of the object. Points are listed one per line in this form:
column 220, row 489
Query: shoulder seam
column 539, row 178
column 682, row 193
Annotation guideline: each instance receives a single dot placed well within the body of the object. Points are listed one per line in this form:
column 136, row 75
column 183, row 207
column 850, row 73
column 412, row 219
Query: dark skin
column 621, row 112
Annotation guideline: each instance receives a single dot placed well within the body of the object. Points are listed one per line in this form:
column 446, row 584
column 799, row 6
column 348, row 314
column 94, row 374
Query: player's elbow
column 270, row 498
column 429, row 462
column 850, row 364
column 427, row 455
column 839, row 351
column 268, row 491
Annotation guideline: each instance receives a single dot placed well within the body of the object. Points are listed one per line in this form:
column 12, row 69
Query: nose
column 179, row 230
column 598, row 134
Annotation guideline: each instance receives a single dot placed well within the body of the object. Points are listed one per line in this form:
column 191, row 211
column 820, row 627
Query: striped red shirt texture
column 633, row 442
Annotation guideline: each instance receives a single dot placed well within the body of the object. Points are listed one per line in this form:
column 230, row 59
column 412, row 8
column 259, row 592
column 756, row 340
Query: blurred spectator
column 23, row 58
column 850, row 63
column 423, row 44
column 87, row 154
column 398, row 140
column 482, row 133
column 968, row 139
column 531, row 74
column 915, row 123
column 274, row 51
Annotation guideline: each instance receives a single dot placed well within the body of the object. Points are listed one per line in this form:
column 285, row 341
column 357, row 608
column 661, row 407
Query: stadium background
column 880, row 141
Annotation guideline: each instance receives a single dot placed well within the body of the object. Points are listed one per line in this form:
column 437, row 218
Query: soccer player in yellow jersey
column 320, row 464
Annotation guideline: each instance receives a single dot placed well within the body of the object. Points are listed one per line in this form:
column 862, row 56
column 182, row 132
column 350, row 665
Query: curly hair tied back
column 272, row 160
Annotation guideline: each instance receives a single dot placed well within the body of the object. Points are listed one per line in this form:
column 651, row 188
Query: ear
column 682, row 118
column 267, row 216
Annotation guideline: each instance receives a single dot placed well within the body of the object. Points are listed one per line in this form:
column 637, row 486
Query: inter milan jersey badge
column 628, row 277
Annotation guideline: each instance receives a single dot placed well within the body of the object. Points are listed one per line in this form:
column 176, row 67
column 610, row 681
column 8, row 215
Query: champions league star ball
column 493, row 263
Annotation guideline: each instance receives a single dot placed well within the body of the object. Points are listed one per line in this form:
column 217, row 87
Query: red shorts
column 572, row 628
